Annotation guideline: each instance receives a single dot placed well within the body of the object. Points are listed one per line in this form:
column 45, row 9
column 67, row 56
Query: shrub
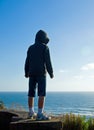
column 1, row 105
column 91, row 124
column 16, row 107
column 74, row 122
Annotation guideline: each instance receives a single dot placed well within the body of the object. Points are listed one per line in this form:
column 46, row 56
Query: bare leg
column 41, row 104
column 31, row 104
column 41, row 115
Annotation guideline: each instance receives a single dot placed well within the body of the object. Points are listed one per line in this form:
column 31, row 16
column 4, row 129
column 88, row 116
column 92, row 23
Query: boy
column 37, row 64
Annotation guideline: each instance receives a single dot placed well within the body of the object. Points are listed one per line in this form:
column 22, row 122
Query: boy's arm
column 48, row 62
column 26, row 67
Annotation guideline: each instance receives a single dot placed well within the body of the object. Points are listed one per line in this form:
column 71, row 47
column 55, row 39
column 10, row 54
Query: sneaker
column 32, row 115
column 42, row 116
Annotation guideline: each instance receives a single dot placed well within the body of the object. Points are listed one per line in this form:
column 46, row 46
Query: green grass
column 77, row 122
column 91, row 124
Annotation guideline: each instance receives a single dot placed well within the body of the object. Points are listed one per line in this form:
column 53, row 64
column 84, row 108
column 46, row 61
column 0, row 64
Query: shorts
column 39, row 83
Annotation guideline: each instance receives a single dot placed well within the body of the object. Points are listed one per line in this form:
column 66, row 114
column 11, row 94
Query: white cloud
column 89, row 66
column 63, row 71
column 91, row 76
column 78, row 77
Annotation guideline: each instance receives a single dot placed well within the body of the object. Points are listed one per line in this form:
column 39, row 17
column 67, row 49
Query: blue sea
column 56, row 103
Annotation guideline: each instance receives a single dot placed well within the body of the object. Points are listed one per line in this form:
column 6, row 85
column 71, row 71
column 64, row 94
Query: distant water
column 56, row 102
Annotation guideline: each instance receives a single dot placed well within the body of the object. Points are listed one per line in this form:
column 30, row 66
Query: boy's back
column 38, row 60
column 36, row 55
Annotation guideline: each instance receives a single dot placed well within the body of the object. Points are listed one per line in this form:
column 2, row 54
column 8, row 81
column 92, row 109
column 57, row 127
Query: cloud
column 89, row 66
column 83, row 77
column 78, row 77
column 91, row 76
column 63, row 71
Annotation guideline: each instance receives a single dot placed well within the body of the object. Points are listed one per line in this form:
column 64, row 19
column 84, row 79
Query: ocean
column 56, row 103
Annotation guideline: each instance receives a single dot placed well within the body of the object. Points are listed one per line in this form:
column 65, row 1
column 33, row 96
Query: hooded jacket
column 38, row 60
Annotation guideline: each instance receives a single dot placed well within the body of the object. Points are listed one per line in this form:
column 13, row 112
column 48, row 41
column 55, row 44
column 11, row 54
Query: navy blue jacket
column 38, row 61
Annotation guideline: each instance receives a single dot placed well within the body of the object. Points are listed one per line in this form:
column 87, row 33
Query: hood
column 41, row 37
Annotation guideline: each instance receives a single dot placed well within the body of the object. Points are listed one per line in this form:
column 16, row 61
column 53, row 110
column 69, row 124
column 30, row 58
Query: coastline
column 24, row 114
column 69, row 121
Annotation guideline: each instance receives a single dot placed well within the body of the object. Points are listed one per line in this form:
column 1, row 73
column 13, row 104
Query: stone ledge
column 36, row 125
column 5, row 119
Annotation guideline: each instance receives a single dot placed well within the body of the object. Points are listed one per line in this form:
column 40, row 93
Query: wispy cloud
column 63, row 71
column 83, row 77
column 78, row 77
column 89, row 66
column 91, row 76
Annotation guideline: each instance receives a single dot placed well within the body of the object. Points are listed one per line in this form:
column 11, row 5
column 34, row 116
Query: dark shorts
column 38, row 83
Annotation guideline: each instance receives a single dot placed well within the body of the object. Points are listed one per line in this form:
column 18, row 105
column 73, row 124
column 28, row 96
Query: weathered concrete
column 12, row 121
column 36, row 125
column 5, row 119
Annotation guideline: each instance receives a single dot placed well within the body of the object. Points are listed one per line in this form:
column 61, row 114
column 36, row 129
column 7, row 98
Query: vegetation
column 91, row 124
column 2, row 106
column 76, row 122
column 16, row 107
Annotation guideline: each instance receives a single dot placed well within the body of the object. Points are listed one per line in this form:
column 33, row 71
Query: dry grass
column 77, row 122
column 2, row 106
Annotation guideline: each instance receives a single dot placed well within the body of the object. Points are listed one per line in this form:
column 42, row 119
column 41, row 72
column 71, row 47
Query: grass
column 16, row 107
column 77, row 122
column 91, row 124
column 2, row 106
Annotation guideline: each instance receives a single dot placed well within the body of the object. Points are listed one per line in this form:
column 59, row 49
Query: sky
column 70, row 27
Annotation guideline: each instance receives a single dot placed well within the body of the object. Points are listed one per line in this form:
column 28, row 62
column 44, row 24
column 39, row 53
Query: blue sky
column 70, row 26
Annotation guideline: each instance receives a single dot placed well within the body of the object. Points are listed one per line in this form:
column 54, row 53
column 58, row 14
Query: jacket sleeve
column 26, row 67
column 48, row 62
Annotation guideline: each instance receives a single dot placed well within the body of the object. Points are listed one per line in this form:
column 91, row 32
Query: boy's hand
column 26, row 76
column 51, row 76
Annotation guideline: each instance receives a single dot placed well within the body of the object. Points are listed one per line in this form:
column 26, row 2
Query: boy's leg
column 41, row 93
column 41, row 115
column 41, row 101
column 31, row 95
column 31, row 105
